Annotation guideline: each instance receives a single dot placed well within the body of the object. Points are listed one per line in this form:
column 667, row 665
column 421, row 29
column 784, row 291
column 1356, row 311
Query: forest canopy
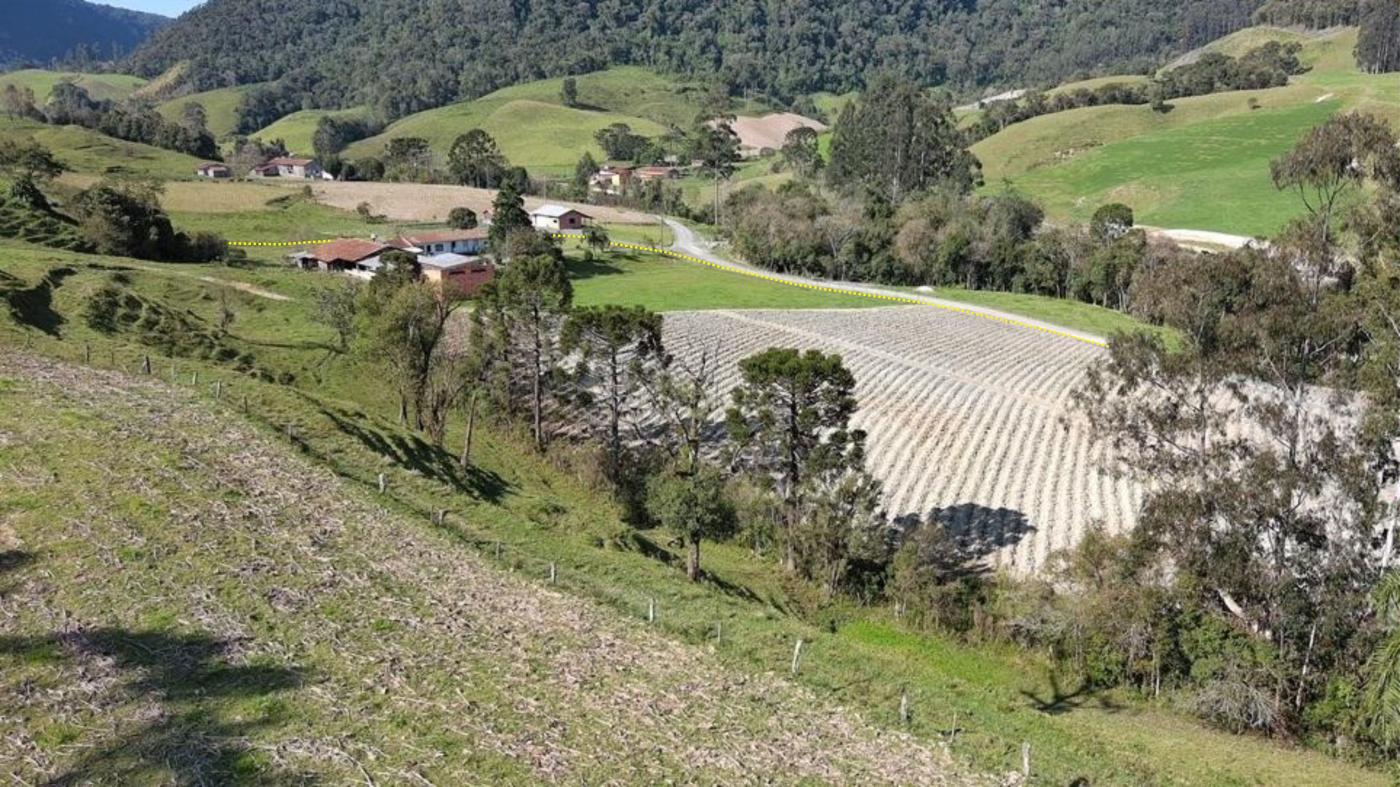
column 402, row 56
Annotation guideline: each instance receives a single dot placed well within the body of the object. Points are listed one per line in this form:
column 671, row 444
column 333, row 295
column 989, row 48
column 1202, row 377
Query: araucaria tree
column 507, row 216
column 619, row 355
column 789, row 427
column 519, row 319
column 897, row 141
column 475, row 160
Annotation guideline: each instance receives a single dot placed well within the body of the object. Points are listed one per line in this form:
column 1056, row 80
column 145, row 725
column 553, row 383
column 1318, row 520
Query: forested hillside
column 41, row 32
column 403, row 56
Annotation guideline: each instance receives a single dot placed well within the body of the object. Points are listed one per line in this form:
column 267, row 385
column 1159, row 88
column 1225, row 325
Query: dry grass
column 198, row 603
column 430, row 202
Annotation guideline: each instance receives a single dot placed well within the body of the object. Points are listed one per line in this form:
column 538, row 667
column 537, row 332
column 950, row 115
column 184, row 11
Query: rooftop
column 555, row 211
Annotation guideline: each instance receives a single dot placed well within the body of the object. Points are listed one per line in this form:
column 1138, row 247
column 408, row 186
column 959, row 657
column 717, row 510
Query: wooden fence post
column 383, row 484
column 218, row 390
column 797, row 656
column 904, row 707
column 1026, row 761
column 146, row 364
column 719, row 631
column 87, row 353
column 553, row 574
column 651, row 610
column 194, row 377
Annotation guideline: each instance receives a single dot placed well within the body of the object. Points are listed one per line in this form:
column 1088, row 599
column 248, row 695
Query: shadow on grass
column 580, row 269
column 420, row 456
column 1059, row 701
column 187, row 739
column 33, row 306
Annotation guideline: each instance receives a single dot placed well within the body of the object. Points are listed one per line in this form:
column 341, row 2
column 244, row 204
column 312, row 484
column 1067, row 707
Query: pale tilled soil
column 432, row 202
column 416, row 657
column 969, row 420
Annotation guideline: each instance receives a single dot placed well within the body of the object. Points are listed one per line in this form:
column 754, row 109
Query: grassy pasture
column 221, row 105
column 88, row 152
column 108, row 87
column 298, row 128
column 1204, row 165
column 994, row 698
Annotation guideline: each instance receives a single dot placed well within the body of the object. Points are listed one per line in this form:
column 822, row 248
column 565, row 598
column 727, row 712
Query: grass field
column 88, row 152
column 220, row 105
column 1203, row 165
column 1056, row 311
column 297, row 129
column 535, row 130
column 982, row 702
column 103, row 87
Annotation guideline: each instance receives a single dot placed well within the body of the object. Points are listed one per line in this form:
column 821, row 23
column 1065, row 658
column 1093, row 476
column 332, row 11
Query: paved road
column 688, row 242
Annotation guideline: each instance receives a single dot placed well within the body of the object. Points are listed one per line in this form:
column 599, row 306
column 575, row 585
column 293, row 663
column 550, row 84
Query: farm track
column 969, row 420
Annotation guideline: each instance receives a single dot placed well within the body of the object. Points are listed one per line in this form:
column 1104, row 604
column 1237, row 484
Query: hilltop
column 40, row 32
column 1203, row 165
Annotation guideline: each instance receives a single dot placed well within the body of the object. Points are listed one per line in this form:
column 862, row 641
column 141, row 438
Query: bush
column 462, row 219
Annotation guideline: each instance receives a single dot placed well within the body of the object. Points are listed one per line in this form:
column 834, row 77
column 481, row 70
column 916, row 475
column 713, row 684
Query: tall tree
column 508, row 216
column 801, row 151
column 715, row 147
column 1378, row 42
column 619, row 355
column 568, row 92
column 693, row 506
column 897, row 141
column 476, row 160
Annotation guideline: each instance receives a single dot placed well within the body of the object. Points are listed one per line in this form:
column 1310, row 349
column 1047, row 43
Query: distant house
column 556, row 218
column 611, row 180
column 350, row 255
column 657, row 173
column 290, row 167
column 213, row 169
column 465, row 275
column 469, row 242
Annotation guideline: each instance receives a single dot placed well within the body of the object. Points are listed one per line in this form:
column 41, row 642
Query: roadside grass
column 984, row 701
column 664, row 284
column 103, row 87
column 1204, row 165
column 1057, row 311
column 88, row 152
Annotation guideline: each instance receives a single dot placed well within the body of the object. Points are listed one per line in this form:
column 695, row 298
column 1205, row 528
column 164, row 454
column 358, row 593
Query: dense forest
column 41, row 33
column 403, row 56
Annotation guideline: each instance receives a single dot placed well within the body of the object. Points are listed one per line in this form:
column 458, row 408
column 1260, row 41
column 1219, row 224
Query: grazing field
column 221, row 105
column 535, row 130
column 969, row 420
column 103, row 87
column 87, row 152
column 1204, row 165
column 297, row 129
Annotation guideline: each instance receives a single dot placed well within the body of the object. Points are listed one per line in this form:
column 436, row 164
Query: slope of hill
column 40, row 32
column 88, row 152
column 108, row 87
column 220, row 105
column 298, row 128
column 307, row 625
column 1205, row 164
column 403, row 56
column 253, row 634
column 535, row 129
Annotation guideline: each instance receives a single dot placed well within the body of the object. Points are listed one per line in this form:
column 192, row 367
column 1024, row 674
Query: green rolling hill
column 112, row 87
column 1205, row 164
column 221, row 106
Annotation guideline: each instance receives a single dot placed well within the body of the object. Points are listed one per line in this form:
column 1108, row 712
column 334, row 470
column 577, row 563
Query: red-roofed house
column 213, row 169
column 349, row 254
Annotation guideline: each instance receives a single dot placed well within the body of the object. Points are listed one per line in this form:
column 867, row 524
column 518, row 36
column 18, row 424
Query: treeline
column 72, row 30
column 70, row 104
column 1315, row 14
column 1266, row 66
column 111, row 217
column 404, row 56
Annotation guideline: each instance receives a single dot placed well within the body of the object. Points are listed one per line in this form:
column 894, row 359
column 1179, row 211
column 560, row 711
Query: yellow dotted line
column 858, row 293
column 279, row 243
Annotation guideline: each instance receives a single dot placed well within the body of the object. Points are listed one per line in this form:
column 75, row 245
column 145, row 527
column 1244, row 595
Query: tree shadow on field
column 1060, row 701
column 420, row 456
column 980, row 531
column 33, row 306
column 177, row 686
column 580, row 269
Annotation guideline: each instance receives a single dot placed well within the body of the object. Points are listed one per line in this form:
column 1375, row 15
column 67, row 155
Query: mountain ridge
column 42, row 33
